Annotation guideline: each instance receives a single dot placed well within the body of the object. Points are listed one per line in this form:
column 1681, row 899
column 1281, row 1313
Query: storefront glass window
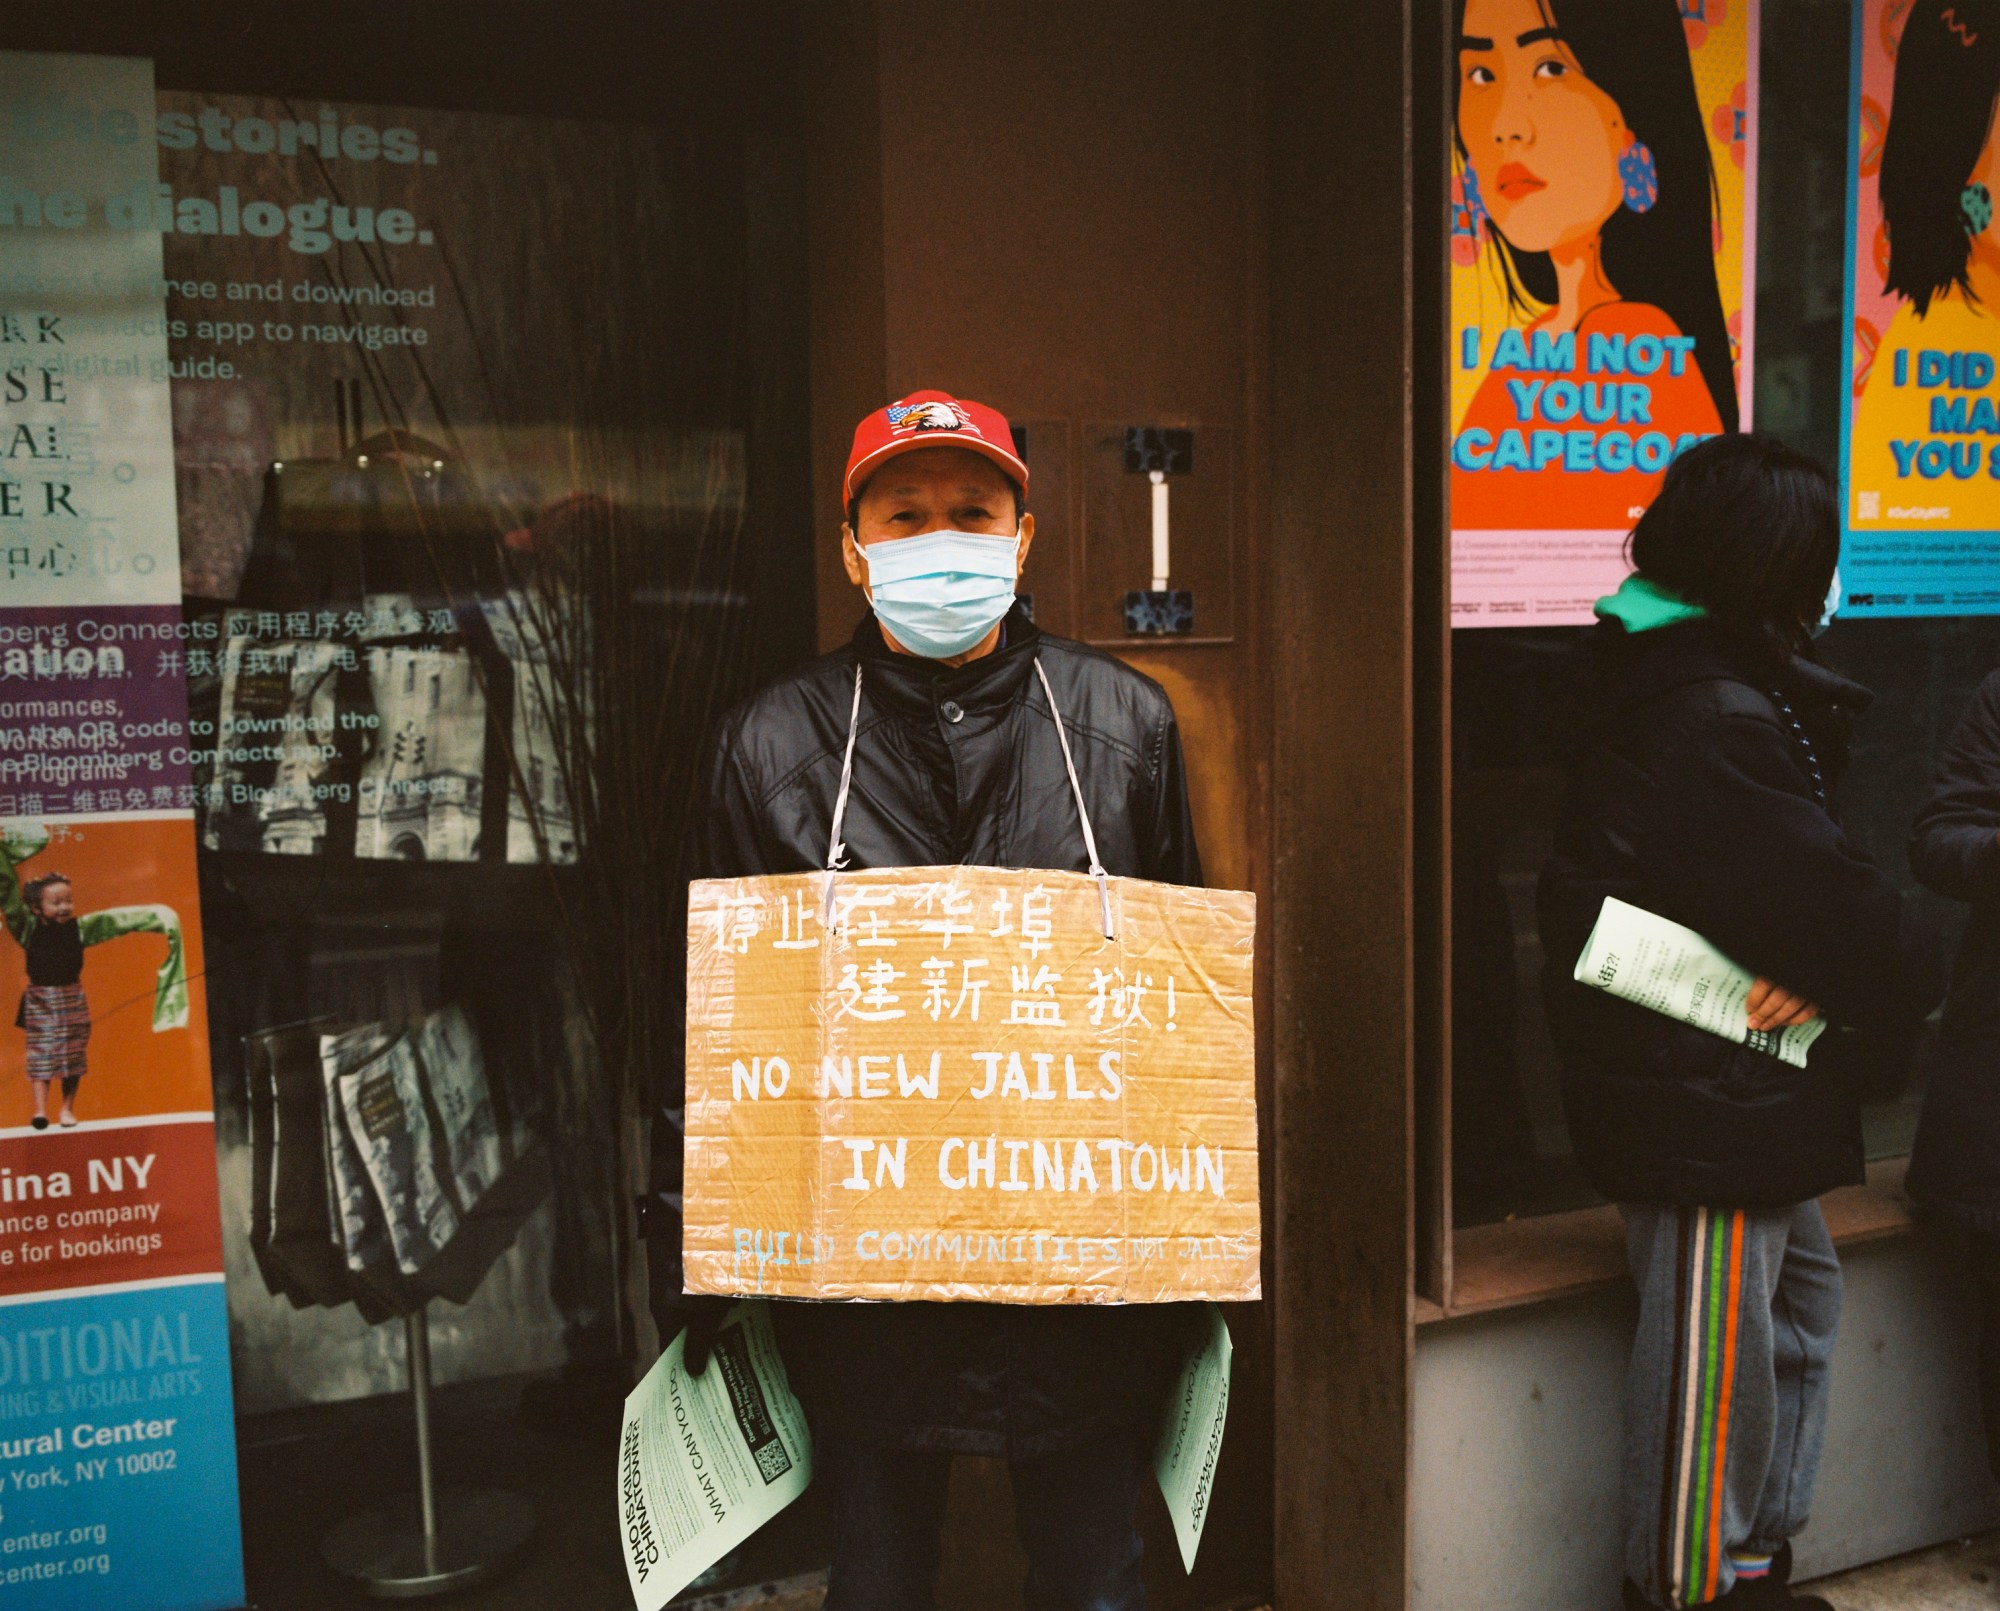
column 1511, row 1153
column 477, row 422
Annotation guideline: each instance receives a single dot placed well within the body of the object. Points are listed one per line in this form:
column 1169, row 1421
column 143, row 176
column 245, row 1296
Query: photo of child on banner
column 1601, row 209
column 54, row 1012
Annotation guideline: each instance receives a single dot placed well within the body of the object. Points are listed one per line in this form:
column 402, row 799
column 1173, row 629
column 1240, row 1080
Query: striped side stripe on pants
column 1709, row 1284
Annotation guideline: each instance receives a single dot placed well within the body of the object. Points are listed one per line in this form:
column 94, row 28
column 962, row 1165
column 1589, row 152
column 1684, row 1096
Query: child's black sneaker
column 1769, row 1593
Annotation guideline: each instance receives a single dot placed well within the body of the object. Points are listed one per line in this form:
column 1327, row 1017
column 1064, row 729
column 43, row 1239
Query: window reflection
column 465, row 513
column 1511, row 696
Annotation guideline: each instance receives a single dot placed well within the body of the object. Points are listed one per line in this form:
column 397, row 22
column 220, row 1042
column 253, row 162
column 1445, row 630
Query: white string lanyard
column 836, row 854
column 1082, row 812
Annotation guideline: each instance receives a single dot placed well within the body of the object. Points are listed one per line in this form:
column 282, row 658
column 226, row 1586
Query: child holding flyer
column 1710, row 745
column 41, row 915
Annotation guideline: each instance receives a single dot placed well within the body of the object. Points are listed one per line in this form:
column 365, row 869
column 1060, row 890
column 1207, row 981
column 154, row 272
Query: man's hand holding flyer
column 1191, row 1435
column 705, row 1461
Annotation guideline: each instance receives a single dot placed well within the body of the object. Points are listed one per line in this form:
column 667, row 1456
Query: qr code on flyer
column 772, row 1461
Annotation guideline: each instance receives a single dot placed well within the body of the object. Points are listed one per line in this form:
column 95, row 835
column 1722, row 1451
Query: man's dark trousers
column 1073, row 1511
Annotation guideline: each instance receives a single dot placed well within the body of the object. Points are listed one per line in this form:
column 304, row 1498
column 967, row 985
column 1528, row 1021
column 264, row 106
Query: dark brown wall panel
column 1342, row 911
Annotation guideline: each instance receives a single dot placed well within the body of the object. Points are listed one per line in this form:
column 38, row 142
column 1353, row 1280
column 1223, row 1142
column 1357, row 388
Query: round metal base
column 480, row 1532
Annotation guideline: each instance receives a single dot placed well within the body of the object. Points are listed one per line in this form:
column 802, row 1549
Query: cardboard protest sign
column 962, row 1089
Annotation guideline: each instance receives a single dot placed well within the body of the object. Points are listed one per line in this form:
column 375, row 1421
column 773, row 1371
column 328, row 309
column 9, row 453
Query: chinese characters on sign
column 962, row 1088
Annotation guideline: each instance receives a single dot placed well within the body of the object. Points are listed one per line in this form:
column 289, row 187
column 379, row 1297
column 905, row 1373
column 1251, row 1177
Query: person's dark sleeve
column 721, row 845
column 1753, row 863
column 1955, row 840
column 1170, row 848
column 726, row 842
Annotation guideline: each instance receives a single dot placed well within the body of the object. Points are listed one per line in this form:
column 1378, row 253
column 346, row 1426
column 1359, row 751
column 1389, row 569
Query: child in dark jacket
column 1955, row 1167
column 1711, row 743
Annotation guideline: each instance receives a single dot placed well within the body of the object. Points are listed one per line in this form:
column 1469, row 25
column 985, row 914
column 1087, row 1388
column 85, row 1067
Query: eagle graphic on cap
column 933, row 416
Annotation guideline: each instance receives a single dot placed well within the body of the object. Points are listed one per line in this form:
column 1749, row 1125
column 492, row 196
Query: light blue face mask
column 1832, row 605
column 939, row 594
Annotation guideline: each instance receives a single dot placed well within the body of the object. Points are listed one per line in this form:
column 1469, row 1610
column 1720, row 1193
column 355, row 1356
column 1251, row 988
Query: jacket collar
column 914, row 685
column 1827, row 688
column 1642, row 605
column 1642, row 664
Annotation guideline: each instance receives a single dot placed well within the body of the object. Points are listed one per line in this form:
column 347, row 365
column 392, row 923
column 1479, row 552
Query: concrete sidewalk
column 1962, row 1576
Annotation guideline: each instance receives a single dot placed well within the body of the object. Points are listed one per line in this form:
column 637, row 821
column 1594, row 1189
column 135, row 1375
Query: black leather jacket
column 1955, row 849
column 951, row 765
column 1694, row 795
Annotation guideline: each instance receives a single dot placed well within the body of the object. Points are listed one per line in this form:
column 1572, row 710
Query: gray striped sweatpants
column 1725, row 1400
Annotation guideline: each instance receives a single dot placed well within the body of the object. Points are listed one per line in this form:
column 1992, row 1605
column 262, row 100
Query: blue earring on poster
column 1975, row 208
column 1641, row 176
column 1475, row 205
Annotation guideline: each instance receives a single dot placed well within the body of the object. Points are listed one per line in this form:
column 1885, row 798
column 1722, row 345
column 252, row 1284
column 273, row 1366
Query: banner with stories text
column 117, row 1434
column 1603, row 257
column 1921, row 445
column 962, row 1088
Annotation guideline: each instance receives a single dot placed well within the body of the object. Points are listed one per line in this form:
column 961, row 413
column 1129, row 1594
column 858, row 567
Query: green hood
column 1643, row 606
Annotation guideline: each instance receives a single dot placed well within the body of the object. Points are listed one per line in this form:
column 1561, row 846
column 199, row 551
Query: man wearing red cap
column 936, row 737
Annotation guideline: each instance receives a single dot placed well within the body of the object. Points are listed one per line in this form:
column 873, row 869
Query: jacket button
column 951, row 711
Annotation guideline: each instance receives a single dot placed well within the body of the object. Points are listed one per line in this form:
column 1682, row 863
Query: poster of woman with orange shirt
column 1602, row 244
column 1922, row 447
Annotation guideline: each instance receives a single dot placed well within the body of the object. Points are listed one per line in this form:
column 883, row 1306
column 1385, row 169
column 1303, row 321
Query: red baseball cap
column 930, row 419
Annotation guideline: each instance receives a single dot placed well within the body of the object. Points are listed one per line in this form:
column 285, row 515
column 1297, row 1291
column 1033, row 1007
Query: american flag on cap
column 930, row 419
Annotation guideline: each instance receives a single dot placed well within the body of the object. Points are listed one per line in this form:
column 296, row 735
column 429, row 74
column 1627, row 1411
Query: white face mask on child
column 1832, row 604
